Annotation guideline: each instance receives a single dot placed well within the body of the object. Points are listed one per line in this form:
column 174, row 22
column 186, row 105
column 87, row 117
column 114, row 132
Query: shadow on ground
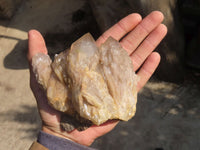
column 27, row 116
column 16, row 59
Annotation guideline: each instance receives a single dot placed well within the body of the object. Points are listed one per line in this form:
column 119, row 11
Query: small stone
column 89, row 82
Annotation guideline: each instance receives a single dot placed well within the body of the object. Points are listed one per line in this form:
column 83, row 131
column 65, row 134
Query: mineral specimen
column 95, row 83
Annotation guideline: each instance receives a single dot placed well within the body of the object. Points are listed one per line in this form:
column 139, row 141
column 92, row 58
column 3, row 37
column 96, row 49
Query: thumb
column 36, row 44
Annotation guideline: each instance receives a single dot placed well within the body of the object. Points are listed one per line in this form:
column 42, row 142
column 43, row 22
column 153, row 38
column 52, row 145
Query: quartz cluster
column 95, row 83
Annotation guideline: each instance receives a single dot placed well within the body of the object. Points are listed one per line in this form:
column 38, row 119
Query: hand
column 138, row 37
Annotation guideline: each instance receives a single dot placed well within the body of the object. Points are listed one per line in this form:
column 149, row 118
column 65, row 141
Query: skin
column 139, row 37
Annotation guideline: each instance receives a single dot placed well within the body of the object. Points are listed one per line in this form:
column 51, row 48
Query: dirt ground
column 168, row 115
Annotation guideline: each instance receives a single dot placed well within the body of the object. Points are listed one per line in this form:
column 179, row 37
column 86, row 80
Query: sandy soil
column 168, row 115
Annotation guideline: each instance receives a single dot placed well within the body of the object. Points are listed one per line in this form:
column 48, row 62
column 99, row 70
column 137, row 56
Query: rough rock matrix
column 95, row 83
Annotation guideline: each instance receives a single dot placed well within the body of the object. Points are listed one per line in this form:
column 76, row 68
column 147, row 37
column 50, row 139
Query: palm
column 142, row 38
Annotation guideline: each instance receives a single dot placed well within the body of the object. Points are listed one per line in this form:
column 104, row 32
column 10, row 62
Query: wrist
column 84, row 137
column 56, row 142
column 54, row 133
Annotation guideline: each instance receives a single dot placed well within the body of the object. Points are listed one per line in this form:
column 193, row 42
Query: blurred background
column 168, row 114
